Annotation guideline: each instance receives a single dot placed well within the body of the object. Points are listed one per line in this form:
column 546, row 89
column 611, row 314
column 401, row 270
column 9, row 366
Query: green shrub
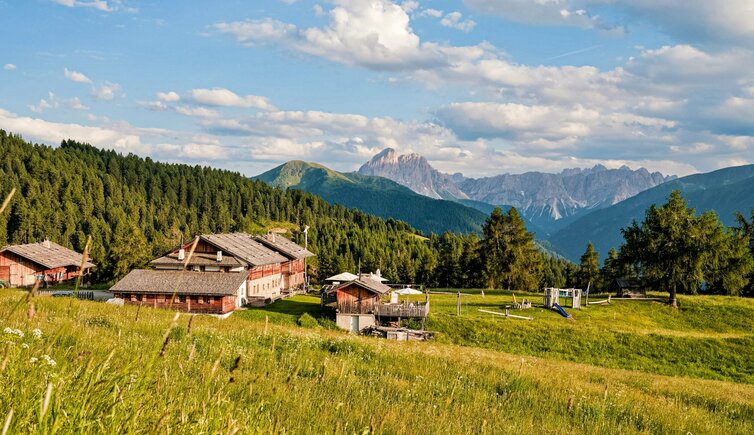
column 307, row 321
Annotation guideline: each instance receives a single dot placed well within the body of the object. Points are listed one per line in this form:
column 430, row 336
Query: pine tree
column 589, row 267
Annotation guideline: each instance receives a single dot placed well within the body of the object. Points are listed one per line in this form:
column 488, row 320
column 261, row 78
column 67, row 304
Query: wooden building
column 195, row 292
column 359, row 305
column 627, row 288
column 267, row 273
column 293, row 270
column 23, row 265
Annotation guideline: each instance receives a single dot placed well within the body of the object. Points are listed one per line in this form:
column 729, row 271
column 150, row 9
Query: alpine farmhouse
column 47, row 262
column 224, row 272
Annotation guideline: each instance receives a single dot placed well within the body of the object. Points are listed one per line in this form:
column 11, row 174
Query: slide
column 561, row 310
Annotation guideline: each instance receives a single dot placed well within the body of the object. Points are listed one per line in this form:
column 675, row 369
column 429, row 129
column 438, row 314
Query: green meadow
column 630, row 367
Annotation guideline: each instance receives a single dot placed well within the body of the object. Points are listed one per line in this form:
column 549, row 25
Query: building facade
column 231, row 270
column 48, row 262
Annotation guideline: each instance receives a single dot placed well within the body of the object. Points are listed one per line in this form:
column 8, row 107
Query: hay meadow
column 87, row 367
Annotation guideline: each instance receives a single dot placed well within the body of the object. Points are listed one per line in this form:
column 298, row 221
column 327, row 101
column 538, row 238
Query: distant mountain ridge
column 376, row 195
column 725, row 191
column 548, row 200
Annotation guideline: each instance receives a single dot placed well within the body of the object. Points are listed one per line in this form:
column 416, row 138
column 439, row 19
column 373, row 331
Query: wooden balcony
column 403, row 311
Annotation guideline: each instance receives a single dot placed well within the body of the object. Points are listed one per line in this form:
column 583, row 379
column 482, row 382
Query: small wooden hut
column 627, row 288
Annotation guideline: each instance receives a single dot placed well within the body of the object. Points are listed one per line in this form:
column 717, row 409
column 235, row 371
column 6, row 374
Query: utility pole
column 306, row 246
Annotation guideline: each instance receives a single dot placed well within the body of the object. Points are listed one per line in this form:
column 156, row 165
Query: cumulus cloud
column 99, row 5
column 44, row 104
column 9, row 67
column 455, row 20
column 168, row 97
column 76, row 76
column 372, row 33
column 227, row 98
column 106, row 92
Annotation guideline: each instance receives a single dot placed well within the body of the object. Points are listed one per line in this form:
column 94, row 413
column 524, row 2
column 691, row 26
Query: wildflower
column 51, row 362
column 33, row 359
column 25, row 346
column 11, row 331
column 37, row 333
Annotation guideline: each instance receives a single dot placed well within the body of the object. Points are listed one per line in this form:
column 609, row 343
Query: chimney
column 181, row 254
column 47, row 244
column 219, row 256
column 273, row 237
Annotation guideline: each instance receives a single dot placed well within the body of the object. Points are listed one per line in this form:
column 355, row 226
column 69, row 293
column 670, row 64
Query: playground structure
column 553, row 295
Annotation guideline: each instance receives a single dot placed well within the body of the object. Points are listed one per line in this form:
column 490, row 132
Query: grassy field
column 121, row 370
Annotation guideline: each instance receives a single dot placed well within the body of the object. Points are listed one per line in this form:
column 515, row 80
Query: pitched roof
column 244, row 248
column 343, row 277
column 48, row 254
column 180, row 282
column 284, row 246
column 199, row 258
column 366, row 283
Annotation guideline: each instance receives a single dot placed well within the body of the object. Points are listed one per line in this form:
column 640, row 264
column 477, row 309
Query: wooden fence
column 85, row 295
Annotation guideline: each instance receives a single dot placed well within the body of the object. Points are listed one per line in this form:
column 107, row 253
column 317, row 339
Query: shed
column 627, row 288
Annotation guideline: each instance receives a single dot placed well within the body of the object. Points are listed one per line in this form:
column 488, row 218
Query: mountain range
column 565, row 210
column 378, row 196
column 550, row 201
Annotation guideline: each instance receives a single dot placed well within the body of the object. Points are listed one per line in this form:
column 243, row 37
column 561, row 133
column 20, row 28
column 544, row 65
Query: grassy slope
column 109, row 377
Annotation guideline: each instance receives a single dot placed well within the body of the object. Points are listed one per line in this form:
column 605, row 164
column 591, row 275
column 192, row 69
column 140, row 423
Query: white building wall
column 265, row 286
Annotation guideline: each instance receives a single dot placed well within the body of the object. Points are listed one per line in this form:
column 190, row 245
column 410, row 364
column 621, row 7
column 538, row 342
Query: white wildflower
column 12, row 331
column 37, row 333
column 25, row 346
column 49, row 360
column 33, row 359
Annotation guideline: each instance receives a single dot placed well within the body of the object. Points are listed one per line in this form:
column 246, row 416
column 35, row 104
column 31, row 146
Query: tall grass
column 239, row 375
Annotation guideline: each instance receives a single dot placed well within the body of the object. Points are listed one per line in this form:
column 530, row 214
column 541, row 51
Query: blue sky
column 476, row 86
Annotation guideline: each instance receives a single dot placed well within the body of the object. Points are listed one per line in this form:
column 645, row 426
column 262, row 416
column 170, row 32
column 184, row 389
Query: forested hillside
column 135, row 208
column 378, row 196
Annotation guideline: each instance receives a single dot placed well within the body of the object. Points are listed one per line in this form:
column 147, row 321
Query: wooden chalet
column 231, row 269
column 48, row 262
column 293, row 270
column 358, row 304
column 194, row 292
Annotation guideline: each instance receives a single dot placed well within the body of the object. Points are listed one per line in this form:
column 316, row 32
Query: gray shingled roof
column 199, row 259
column 180, row 282
column 48, row 254
column 245, row 248
column 284, row 246
column 373, row 286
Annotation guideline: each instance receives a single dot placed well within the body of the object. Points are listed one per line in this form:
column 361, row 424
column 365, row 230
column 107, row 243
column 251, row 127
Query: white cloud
column 371, row 33
column 76, row 104
column 76, row 76
column 105, row 92
column 200, row 112
column 50, row 103
column 455, row 20
column 9, row 67
column 435, row 13
column 168, row 97
column 227, row 98
column 95, row 4
column 699, row 21
column 54, row 132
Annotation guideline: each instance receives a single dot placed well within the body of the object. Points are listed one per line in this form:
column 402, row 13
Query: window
column 182, row 299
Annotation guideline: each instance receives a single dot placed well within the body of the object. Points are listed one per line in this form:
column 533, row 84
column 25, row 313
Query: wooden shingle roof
column 180, row 282
column 245, row 248
column 284, row 246
column 199, row 259
column 365, row 283
column 48, row 254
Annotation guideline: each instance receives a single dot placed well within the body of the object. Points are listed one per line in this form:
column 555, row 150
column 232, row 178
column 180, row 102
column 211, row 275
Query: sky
column 481, row 87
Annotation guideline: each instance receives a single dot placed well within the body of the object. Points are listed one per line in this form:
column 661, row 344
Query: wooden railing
column 401, row 310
